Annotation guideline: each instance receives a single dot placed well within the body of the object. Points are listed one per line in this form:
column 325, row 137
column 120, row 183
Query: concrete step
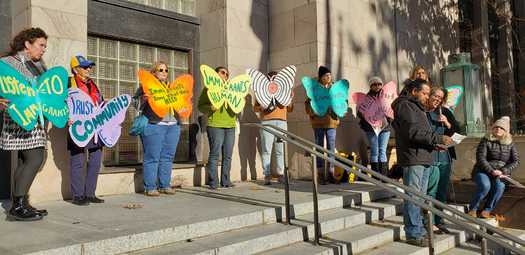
column 263, row 206
column 266, row 237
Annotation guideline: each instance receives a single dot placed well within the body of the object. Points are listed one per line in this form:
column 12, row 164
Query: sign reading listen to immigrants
column 99, row 121
column 163, row 98
column 230, row 93
column 32, row 100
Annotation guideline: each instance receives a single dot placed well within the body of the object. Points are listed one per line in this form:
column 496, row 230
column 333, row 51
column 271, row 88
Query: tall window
column 181, row 6
column 117, row 64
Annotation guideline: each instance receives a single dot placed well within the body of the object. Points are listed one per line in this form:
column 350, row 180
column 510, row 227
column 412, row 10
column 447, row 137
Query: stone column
column 65, row 23
column 506, row 90
column 481, row 50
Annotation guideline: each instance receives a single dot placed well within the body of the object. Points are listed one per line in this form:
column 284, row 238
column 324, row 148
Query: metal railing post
column 314, row 193
column 286, row 180
column 430, row 233
column 484, row 250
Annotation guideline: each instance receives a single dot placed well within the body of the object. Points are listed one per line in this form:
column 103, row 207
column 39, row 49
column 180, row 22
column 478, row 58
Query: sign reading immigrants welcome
column 32, row 100
column 99, row 121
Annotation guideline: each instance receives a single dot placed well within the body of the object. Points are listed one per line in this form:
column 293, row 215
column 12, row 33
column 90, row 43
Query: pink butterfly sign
column 375, row 110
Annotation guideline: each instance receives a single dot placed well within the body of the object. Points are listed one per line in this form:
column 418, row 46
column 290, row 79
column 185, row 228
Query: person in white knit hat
column 496, row 156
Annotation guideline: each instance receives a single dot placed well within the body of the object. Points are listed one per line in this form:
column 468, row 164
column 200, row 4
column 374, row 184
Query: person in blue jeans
column 415, row 141
column 496, row 157
column 275, row 115
column 159, row 140
column 378, row 142
column 221, row 136
column 324, row 127
column 442, row 122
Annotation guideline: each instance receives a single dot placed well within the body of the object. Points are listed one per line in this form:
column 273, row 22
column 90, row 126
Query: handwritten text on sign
column 231, row 93
column 32, row 100
column 163, row 98
column 90, row 120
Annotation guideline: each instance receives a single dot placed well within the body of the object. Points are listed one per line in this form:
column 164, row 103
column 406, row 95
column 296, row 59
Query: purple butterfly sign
column 100, row 121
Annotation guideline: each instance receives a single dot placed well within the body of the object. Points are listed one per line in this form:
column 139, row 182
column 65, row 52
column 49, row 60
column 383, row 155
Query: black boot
column 375, row 167
column 384, row 168
column 42, row 212
column 20, row 212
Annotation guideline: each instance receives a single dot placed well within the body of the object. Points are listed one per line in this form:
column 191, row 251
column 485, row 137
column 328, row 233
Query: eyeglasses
column 224, row 72
column 376, row 84
column 162, row 70
column 86, row 67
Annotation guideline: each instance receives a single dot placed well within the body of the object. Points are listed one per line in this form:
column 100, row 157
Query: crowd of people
column 423, row 128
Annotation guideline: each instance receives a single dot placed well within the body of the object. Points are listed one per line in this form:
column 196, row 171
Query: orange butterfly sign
column 175, row 97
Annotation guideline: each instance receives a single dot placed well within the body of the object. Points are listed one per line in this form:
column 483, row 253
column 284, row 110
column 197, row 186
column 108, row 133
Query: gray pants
column 29, row 162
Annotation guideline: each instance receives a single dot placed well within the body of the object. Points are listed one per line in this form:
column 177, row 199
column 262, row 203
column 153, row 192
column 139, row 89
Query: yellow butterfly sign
column 163, row 98
column 230, row 93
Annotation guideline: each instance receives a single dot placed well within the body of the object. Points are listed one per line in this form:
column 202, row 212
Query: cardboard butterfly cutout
column 230, row 93
column 176, row 97
column 100, row 121
column 375, row 110
column 321, row 99
column 455, row 92
column 32, row 100
column 277, row 89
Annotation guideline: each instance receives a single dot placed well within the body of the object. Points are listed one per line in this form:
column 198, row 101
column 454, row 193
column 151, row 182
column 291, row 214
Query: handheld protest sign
column 176, row 97
column 454, row 95
column 230, row 93
column 32, row 100
column 376, row 109
column 269, row 90
column 89, row 119
column 334, row 97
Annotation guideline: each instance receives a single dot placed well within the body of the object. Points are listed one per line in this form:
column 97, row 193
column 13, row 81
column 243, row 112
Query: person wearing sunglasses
column 378, row 142
column 84, row 184
column 159, row 140
column 221, row 136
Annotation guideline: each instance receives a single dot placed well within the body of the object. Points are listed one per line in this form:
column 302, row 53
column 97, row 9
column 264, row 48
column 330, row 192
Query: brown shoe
column 267, row 180
column 167, row 191
column 473, row 213
column 152, row 193
column 485, row 215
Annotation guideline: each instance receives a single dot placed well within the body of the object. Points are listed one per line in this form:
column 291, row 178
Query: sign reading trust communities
column 99, row 121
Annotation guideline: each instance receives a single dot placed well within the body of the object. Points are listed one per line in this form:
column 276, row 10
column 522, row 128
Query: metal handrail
column 344, row 163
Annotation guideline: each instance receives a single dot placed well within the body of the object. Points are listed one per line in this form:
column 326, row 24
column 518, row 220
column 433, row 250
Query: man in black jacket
column 414, row 144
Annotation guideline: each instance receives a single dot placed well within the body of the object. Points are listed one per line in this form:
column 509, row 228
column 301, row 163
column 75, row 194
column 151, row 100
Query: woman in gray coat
column 496, row 157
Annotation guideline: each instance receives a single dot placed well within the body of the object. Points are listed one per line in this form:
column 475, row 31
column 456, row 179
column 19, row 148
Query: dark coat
column 414, row 137
column 493, row 154
column 365, row 126
column 439, row 128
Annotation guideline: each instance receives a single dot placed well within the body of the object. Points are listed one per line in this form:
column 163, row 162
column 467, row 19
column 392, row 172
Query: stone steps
column 262, row 238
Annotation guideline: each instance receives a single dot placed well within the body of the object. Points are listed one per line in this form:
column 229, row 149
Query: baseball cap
column 81, row 61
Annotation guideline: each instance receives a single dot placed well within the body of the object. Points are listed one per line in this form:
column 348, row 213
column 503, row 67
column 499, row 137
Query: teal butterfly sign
column 334, row 97
column 32, row 100
column 455, row 92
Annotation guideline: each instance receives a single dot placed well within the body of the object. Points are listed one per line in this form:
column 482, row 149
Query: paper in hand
column 457, row 139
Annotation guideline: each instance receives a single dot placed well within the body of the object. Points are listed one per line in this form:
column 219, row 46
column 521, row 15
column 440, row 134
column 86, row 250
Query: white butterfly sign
column 100, row 121
column 272, row 90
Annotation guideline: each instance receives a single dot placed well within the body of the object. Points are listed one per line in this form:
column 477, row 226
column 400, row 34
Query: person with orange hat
column 83, row 187
column 496, row 157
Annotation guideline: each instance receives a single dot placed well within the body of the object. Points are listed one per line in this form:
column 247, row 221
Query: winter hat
column 322, row 71
column 503, row 122
column 374, row 79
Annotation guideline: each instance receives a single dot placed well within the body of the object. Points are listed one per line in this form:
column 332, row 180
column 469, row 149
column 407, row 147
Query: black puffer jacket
column 493, row 154
column 414, row 137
